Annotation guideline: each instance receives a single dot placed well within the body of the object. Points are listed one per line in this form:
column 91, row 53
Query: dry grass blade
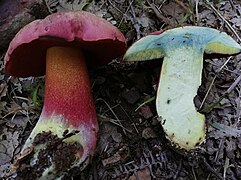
column 238, row 110
column 129, row 119
column 220, row 147
column 209, row 88
column 183, row 6
column 197, row 15
column 226, row 165
column 137, row 25
column 112, row 111
column 124, row 14
column 113, row 121
column 236, row 82
column 194, row 174
column 145, row 102
column 22, row 98
column 230, row 89
column 14, row 111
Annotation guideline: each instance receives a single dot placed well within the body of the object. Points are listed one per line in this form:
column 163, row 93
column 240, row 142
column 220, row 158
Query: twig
column 100, row 99
column 234, row 84
column 178, row 170
column 228, row 24
column 196, row 9
column 226, row 165
column 220, row 146
column 22, row 98
column 129, row 119
column 194, row 174
column 159, row 15
column 225, row 68
column 113, row 121
column 52, row 5
column 163, row 2
column 232, row 4
column 211, row 169
column 136, row 23
column 238, row 107
column 230, row 89
column 183, row 6
column 209, row 88
column 15, row 111
column 124, row 14
column 114, row 6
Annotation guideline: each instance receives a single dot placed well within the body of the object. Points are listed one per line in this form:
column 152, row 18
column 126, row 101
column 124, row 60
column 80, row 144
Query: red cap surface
column 98, row 39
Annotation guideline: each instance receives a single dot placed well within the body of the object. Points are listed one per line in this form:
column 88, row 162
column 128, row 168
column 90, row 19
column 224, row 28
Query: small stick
column 228, row 24
column 230, row 89
column 205, row 97
column 211, row 169
column 159, row 15
column 197, row 16
column 100, row 99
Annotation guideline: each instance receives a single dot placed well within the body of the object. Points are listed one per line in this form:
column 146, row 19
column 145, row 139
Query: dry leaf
column 143, row 174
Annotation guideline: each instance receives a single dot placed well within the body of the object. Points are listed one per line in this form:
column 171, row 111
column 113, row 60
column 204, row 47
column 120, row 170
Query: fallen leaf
column 120, row 156
column 4, row 158
column 236, row 21
column 143, row 174
column 148, row 133
column 225, row 130
column 23, row 156
column 146, row 112
column 111, row 160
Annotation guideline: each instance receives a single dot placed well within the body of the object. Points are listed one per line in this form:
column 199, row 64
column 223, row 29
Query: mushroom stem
column 179, row 81
column 67, row 86
column 182, row 49
column 68, row 103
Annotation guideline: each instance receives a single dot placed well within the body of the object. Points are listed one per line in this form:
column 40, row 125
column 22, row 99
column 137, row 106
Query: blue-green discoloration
column 182, row 49
column 202, row 39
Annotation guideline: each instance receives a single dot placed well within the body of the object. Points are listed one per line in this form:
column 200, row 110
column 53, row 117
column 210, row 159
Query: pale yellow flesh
column 179, row 81
column 182, row 49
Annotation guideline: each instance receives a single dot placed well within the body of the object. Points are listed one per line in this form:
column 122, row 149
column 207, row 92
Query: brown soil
column 56, row 152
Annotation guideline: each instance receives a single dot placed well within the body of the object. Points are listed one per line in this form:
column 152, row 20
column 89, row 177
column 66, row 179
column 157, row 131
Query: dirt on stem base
column 56, row 151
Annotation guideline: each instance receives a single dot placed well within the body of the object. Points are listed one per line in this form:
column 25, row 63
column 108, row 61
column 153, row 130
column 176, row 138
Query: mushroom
column 60, row 46
column 181, row 73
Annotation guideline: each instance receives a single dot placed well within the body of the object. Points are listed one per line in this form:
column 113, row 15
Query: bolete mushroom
column 61, row 45
column 183, row 49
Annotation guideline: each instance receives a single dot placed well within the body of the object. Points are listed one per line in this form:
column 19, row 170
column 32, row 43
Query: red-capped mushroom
column 62, row 44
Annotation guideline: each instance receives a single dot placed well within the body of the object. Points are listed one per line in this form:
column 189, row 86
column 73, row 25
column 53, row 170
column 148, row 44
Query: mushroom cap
column 203, row 39
column 99, row 40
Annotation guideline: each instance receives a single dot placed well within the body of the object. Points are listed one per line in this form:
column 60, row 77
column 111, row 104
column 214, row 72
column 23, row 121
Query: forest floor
column 131, row 142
